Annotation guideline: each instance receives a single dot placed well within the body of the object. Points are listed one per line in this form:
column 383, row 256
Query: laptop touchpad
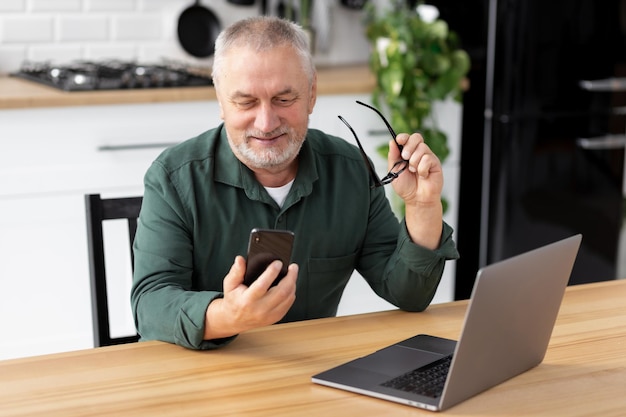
column 395, row 360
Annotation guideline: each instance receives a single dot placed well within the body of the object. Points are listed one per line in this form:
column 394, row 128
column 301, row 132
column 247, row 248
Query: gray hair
column 263, row 33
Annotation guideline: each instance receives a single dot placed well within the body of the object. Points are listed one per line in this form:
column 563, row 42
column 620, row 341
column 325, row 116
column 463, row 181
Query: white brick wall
column 61, row 31
column 82, row 28
column 24, row 30
column 12, row 5
column 54, row 5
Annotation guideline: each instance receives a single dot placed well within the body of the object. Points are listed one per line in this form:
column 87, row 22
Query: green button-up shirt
column 200, row 203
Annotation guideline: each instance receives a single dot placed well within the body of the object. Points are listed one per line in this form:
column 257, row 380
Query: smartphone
column 264, row 247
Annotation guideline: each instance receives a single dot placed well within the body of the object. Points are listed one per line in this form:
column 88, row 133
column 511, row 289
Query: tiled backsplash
column 60, row 31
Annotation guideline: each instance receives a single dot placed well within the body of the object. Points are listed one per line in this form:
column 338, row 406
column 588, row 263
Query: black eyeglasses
column 396, row 169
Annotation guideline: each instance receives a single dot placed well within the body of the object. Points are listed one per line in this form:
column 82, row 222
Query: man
column 264, row 168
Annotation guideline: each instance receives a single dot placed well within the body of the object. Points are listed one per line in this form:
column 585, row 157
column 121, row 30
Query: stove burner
column 112, row 75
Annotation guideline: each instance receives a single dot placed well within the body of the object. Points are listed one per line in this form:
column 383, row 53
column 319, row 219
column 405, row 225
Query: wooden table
column 267, row 372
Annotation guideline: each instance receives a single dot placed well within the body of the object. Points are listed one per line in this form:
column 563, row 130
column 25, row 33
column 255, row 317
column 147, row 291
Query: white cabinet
column 51, row 157
column 91, row 148
column 44, row 302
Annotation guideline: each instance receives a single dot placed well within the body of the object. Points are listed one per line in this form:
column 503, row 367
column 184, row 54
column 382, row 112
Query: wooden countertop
column 267, row 372
column 16, row 93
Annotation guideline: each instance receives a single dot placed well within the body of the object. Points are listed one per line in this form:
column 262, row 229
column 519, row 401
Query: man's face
column 265, row 101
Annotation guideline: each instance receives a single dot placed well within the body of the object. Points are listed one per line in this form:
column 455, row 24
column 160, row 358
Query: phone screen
column 264, row 247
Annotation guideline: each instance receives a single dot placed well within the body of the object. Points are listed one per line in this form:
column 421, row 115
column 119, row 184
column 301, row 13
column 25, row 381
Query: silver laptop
column 507, row 327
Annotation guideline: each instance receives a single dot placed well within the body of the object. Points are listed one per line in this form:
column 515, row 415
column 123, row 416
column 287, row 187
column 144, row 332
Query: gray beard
column 272, row 157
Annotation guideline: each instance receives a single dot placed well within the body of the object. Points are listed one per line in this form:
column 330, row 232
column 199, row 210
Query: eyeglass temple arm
column 363, row 154
column 393, row 133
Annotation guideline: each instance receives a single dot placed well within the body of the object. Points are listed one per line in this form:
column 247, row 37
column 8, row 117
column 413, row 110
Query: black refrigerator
column 542, row 154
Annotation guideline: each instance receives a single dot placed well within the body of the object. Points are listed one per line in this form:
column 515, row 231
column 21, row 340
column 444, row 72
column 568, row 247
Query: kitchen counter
column 16, row 93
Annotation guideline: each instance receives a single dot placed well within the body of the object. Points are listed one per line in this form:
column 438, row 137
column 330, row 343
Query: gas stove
column 113, row 75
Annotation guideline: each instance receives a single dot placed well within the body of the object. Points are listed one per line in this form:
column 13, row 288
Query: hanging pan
column 198, row 28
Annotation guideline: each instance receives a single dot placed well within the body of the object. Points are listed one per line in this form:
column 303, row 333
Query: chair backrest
column 99, row 210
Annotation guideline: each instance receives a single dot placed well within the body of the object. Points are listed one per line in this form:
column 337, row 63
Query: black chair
column 99, row 210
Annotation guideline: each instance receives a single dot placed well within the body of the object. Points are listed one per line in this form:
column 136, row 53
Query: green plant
column 304, row 18
column 416, row 62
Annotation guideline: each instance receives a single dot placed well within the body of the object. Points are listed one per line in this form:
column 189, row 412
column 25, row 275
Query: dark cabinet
column 544, row 120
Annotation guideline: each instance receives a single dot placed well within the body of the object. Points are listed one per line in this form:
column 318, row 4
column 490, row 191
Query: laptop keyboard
column 427, row 380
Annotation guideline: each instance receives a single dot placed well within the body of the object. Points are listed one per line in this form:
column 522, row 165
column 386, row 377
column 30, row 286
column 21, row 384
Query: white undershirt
column 279, row 194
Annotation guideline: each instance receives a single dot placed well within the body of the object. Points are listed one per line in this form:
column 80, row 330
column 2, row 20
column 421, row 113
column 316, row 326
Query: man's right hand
column 245, row 308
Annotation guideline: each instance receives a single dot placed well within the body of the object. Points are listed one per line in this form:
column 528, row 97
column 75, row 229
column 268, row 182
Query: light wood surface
column 17, row 93
column 267, row 372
